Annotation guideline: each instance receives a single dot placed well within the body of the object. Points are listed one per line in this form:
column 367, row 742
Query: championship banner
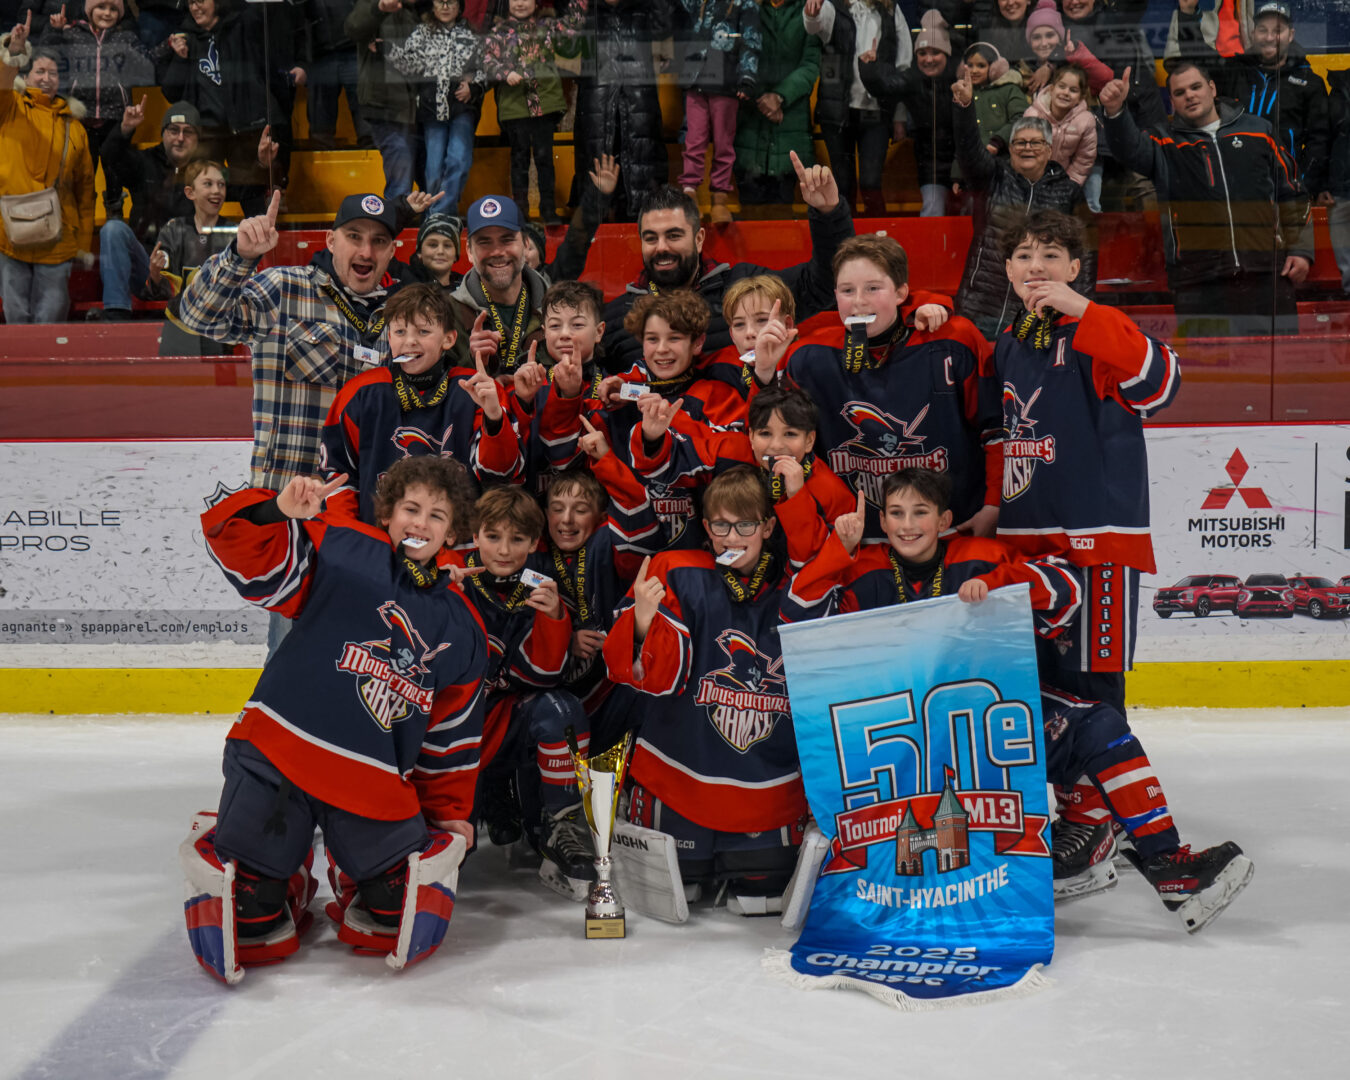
column 919, row 730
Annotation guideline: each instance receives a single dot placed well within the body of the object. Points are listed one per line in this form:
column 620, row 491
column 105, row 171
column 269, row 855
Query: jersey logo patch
column 748, row 697
column 389, row 673
column 1022, row 450
column 884, row 444
column 413, row 441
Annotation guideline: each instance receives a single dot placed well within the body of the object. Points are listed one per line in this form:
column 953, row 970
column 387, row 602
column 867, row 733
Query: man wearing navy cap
column 500, row 302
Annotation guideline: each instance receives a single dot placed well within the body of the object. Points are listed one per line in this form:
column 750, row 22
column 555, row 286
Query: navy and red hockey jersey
column 1075, row 469
column 373, row 702
column 923, row 402
column 378, row 418
column 716, row 741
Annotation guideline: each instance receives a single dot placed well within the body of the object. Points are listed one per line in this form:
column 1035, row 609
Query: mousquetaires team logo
column 748, row 697
column 1022, row 450
column 414, row 441
column 884, row 444
column 389, row 673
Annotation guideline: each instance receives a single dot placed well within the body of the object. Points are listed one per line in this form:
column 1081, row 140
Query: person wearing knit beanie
column 934, row 33
column 435, row 262
column 1046, row 14
column 106, row 19
column 1045, row 32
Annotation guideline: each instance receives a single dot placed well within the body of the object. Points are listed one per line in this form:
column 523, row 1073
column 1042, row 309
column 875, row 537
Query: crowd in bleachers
column 998, row 103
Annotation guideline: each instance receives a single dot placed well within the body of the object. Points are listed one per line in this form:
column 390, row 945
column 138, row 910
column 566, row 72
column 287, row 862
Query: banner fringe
column 778, row 963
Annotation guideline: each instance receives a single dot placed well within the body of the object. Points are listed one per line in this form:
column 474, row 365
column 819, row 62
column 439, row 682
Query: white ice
column 98, row 981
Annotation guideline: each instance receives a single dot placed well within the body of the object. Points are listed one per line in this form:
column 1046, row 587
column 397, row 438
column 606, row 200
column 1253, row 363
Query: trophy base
column 608, row 926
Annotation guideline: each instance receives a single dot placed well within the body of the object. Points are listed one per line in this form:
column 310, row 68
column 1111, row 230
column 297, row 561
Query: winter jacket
column 717, row 47
column 186, row 249
column 929, row 104
column 1009, row 38
column 436, row 58
column 1338, row 126
column 325, row 31
column 225, row 75
column 156, row 186
column 99, row 68
column 529, row 47
column 468, row 301
column 1233, row 203
column 788, row 67
column 1293, row 99
column 1075, row 141
column 383, row 92
column 1002, row 195
column 618, row 109
column 997, row 107
column 848, row 32
column 32, row 137
column 1115, row 37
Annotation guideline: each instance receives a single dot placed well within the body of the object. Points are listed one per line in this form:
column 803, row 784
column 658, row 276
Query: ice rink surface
column 98, row 980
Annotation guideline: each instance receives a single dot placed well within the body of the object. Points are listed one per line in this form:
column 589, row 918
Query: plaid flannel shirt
column 303, row 351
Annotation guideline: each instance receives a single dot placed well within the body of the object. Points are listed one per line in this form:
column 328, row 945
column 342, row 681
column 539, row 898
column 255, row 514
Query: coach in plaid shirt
column 310, row 329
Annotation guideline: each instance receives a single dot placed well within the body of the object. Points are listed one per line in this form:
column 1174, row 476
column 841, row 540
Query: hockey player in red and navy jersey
column 367, row 720
column 898, row 385
column 419, row 404
column 1087, row 739
column 1077, row 381
column 715, row 763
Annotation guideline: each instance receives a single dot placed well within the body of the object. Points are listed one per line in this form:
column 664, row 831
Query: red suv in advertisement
column 1199, row 594
column 1319, row 597
column 1266, row 594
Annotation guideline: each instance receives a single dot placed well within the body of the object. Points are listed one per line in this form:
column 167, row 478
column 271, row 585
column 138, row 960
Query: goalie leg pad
column 797, row 896
column 647, row 872
column 209, row 904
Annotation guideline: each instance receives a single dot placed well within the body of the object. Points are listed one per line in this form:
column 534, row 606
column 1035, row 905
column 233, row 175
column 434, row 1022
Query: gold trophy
column 601, row 780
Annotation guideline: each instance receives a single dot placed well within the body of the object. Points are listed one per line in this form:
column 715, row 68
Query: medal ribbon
column 369, row 331
column 1037, row 327
column 741, row 593
column 575, row 587
column 422, row 575
column 409, row 399
column 934, row 589
column 858, row 348
column 518, row 320
column 514, row 601
column 776, row 490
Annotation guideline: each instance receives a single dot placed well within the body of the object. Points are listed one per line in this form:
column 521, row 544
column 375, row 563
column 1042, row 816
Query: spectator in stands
column 443, row 58
column 778, row 120
column 183, row 245
column 332, row 71
column 672, row 258
column 216, row 63
column 499, row 306
column 717, row 65
column 996, row 95
column 156, row 20
column 618, row 110
column 1338, row 183
column 855, row 123
column 520, row 57
column 102, row 60
column 1063, row 105
column 1272, row 80
column 1220, row 26
column 924, row 90
column 570, row 259
column 388, row 99
column 438, row 251
column 42, row 144
column 1005, row 188
column 1235, row 251
column 1003, row 23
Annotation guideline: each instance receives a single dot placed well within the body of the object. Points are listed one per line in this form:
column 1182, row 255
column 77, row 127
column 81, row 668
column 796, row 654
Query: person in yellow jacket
column 34, row 280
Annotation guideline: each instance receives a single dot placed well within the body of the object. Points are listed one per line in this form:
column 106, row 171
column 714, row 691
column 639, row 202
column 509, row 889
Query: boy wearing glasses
column 715, row 764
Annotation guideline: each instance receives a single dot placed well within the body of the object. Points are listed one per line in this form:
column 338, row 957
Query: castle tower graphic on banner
column 948, row 836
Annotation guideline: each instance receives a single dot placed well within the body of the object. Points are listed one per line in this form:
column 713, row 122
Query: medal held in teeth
column 729, row 556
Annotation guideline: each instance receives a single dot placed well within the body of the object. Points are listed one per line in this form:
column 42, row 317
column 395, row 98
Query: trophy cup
column 601, row 780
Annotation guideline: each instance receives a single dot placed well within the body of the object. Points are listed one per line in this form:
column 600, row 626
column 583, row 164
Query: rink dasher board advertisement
column 919, row 732
column 100, row 543
column 1259, row 504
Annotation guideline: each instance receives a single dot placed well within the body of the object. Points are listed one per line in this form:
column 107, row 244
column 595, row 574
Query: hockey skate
column 1082, row 855
column 501, row 809
column 569, row 861
column 1197, row 885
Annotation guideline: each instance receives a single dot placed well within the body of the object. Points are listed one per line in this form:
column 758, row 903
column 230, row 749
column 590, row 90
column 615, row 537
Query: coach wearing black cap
column 500, row 302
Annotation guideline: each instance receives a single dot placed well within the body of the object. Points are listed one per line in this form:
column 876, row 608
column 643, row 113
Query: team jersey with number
column 373, row 702
column 1075, row 469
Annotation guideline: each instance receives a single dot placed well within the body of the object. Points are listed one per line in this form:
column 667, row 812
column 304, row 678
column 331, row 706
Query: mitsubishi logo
column 1220, row 497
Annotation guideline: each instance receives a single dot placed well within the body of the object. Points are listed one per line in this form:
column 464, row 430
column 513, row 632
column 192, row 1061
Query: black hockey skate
column 501, row 809
column 1197, row 885
column 569, row 858
column 1082, row 855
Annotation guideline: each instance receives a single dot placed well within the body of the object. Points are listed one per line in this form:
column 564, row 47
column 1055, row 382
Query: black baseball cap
column 1274, row 8
column 372, row 207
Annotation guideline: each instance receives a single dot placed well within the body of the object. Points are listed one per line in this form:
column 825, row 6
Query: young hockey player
column 366, row 722
column 715, row 764
column 1082, row 738
column 898, row 385
column 528, row 783
column 1078, row 378
column 419, row 404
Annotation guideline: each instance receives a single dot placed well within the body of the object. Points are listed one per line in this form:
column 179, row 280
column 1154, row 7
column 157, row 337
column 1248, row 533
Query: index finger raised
column 862, row 501
column 642, row 570
column 479, row 322
column 590, row 428
column 273, row 207
column 797, row 164
column 332, row 486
